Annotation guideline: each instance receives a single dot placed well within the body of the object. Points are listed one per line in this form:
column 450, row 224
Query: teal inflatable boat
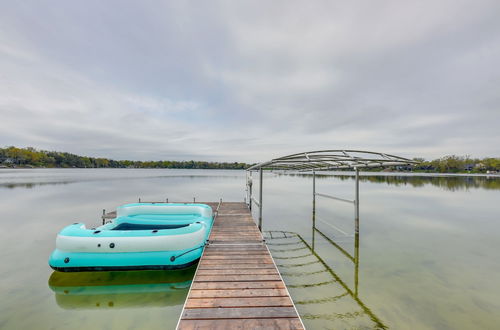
column 143, row 236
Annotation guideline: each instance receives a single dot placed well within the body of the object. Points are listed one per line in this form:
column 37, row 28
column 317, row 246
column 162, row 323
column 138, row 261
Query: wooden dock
column 237, row 284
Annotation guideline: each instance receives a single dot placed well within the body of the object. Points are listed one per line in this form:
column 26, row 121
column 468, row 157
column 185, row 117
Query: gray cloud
column 248, row 81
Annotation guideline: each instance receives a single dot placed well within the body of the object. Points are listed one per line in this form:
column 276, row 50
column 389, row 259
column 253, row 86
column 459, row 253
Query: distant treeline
column 30, row 157
column 458, row 164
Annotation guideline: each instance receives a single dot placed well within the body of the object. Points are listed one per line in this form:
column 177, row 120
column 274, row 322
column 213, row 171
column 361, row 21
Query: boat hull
column 124, row 244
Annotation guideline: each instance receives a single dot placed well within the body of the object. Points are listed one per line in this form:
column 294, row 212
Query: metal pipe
column 103, row 216
column 313, row 236
column 336, row 198
column 356, row 203
column 359, row 158
column 250, row 182
column 356, row 263
column 314, row 200
column 246, row 187
column 260, row 197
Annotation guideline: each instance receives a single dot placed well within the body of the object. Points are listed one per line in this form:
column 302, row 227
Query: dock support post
column 250, row 191
column 103, row 216
column 314, row 200
column 356, row 202
column 260, row 198
column 356, row 236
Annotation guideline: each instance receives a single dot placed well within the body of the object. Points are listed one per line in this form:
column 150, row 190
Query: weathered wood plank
column 237, row 285
column 234, row 293
column 216, row 241
column 237, row 233
column 283, row 323
column 239, row 302
column 238, row 313
column 242, row 254
column 236, row 247
column 236, row 278
column 256, row 271
column 238, row 266
column 235, row 257
column 235, row 251
column 232, row 261
column 223, row 249
column 235, row 238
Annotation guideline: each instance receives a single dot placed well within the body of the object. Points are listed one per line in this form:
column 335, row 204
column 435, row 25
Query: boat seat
column 136, row 226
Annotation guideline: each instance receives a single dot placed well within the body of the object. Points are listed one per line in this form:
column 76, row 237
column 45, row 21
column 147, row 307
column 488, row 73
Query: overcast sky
column 250, row 80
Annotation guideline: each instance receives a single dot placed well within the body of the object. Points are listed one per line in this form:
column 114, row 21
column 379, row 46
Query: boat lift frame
column 323, row 160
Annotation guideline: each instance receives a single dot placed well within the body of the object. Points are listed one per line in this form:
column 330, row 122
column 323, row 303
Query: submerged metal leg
column 260, row 198
column 356, row 203
column 356, row 263
column 313, row 237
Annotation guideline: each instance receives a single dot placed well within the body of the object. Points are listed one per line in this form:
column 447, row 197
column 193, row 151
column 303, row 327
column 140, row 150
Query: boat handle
column 172, row 258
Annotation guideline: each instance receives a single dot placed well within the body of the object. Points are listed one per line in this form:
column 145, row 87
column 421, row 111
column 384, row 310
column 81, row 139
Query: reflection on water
column 121, row 289
column 427, row 255
column 322, row 297
column 451, row 183
column 333, row 302
column 30, row 185
column 30, row 178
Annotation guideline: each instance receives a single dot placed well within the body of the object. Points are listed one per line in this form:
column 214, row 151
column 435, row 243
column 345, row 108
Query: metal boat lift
column 323, row 160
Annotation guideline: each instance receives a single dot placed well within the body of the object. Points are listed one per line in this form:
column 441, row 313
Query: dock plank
column 238, row 313
column 235, row 293
column 291, row 323
column 237, row 284
column 239, row 302
column 237, row 266
column 238, row 271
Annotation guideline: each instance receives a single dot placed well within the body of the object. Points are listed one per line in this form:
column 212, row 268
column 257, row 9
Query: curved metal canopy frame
column 324, row 160
column 331, row 160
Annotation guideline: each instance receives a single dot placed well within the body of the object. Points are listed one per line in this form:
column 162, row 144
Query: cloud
column 250, row 81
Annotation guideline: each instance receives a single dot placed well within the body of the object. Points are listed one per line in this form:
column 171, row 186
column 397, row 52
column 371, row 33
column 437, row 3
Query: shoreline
column 325, row 173
column 414, row 174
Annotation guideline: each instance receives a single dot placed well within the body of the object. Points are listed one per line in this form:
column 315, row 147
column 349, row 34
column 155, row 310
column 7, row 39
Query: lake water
column 426, row 256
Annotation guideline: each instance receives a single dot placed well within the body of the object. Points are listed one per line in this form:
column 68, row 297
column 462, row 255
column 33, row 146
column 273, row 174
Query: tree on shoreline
column 31, row 157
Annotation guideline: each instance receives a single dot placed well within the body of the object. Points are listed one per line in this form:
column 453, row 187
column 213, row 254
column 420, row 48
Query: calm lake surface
column 426, row 256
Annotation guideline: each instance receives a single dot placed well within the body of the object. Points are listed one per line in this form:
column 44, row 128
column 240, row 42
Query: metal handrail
column 336, row 198
column 255, row 201
column 334, row 227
